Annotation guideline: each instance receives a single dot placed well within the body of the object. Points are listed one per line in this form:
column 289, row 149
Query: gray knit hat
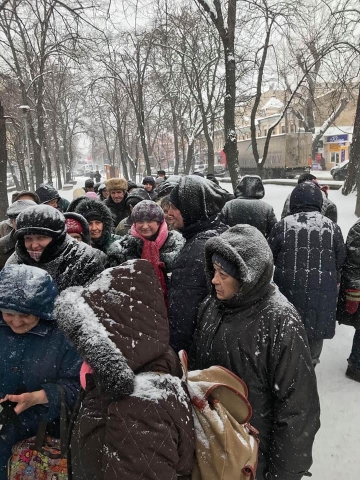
column 147, row 210
column 18, row 206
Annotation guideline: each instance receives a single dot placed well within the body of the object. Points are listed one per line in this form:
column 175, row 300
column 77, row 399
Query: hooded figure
column 133, row 198
column 248, row 208
column 77, row 226
column 42, row 242
column 256, row 333
column 195, row 205
column 134, row 421
column 328, row 208
column 149, row 185
column 309, row 252
column 35, row 357
column 100, row 223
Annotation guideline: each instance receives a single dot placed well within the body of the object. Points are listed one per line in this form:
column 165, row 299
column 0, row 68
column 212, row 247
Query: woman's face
column 36, row 243
column 225, row 285
column 148, row 228
column 96, row 228
column 20, row 322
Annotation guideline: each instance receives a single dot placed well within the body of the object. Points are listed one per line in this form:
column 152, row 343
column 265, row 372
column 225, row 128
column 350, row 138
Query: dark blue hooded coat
column 39, row 359
column 309, row 251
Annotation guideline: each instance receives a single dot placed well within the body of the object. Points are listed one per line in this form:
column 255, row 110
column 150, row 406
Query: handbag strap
column 41, row 431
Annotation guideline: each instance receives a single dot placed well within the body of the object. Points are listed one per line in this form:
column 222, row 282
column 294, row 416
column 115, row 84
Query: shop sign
column 335, row 147
column 337, row 138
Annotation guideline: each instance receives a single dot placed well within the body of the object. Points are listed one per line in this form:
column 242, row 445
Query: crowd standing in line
column 176, row 278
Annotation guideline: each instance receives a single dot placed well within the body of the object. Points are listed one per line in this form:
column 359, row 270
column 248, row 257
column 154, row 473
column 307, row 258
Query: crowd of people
column 99, row 295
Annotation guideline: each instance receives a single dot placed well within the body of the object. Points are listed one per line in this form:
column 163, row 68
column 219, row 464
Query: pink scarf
column 151, row 252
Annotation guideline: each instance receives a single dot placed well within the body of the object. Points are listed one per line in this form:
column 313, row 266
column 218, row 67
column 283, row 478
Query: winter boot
column 353, row 373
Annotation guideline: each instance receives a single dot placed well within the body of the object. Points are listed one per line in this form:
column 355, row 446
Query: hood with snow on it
column 245, row 247
column 306, row 197
column 197, row 199
column 250, row 186
column 28, row 290
column 118, row 323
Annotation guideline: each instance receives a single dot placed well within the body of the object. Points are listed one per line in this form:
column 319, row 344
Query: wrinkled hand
column 26, row 400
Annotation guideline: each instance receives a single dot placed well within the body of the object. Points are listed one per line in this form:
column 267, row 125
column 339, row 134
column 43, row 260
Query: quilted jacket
column 134, row 421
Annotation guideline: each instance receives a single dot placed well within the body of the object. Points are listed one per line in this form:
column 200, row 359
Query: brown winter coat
column 134, row 422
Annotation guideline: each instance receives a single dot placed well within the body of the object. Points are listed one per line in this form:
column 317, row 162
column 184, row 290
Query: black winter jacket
column 309, row 252
column 199, row 201
column 188, row 286
column 350, row 277
column 248, row 208
column 7, row 247
column 258, row 335
column 118, row 210
column 69, row 262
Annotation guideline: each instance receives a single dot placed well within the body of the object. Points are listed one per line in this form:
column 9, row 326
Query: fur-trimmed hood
column 246, row 248
column 118, row 323
column 84, row 224
column 89, row 209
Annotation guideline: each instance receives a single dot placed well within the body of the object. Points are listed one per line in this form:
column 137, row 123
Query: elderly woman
column 247, row 326
column 35, row 357
column 149, row 239
column 42, row 241
column 100, row 222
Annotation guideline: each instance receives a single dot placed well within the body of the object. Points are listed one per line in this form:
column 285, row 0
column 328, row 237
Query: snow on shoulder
column 158, row 386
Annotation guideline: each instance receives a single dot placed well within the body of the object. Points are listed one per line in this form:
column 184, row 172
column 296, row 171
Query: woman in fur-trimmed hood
column 135, row 419
column 100, row 223
column 248, row 326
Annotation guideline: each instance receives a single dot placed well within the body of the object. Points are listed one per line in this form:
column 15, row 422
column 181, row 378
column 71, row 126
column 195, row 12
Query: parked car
column 339, row 172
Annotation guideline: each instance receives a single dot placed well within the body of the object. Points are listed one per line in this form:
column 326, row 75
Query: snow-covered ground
column 336, row 451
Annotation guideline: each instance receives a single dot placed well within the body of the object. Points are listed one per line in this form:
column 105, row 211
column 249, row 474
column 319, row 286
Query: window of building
column 283, row 129
column 292, row 128
column 335, row 158
column 265, row 132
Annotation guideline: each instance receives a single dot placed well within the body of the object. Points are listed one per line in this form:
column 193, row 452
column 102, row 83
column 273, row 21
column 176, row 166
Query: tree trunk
column 3, row 165
column 189, row 157
column 352, row 180
column 230, row 147
column 176, row 138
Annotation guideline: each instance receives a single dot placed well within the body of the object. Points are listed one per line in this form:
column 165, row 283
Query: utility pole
column 3, row 165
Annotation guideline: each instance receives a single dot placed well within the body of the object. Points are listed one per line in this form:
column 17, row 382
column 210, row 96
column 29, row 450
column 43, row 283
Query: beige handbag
column 226, row 444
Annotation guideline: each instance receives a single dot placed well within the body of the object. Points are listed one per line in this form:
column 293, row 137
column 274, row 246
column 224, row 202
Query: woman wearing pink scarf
column 150, row 240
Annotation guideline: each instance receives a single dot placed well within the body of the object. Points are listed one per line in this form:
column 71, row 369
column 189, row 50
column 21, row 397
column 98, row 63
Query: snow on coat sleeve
column 296, row 404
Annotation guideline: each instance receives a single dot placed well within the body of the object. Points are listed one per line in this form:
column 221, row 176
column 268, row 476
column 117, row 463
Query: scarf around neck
column 151, row 252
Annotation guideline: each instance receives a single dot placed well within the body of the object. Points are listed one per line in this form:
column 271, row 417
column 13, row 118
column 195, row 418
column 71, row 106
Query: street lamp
column 25, row 109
